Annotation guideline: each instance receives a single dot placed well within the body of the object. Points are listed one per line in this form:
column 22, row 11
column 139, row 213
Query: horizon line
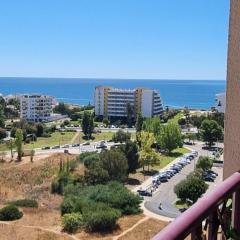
column 108, row 78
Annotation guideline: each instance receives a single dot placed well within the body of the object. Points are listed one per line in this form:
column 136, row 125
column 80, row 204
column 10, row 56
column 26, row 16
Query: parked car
column 144, row 193
column 212, row 172
column 66, row 146
column 101, row 145
column 208, row 178
column 195, row 153
column 75, row 145
column 175, row 169
column 86, row 143
column 170, row 172
column 56, row 147
column 163, row 178
column 45, row 148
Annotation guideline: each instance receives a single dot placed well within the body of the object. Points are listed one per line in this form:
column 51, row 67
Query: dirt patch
column 145, row 231
column 123, row 224
column 31, row 180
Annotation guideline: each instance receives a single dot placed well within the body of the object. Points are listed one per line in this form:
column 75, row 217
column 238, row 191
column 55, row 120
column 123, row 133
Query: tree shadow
column 133, row 181
column 149, row 173
column 174, row 154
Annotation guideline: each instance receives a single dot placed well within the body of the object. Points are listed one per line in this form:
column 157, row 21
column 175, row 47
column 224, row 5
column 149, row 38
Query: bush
column 25, row 203
column 89, row 160
column 205, row 163
column 10, row 213
column 121, row 136
column 72, row 221
column 46, row 135
column 3, row 133
column 191, row 188
column 100, row 217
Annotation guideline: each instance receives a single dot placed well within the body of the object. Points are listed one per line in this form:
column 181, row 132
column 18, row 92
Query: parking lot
column 164, row 195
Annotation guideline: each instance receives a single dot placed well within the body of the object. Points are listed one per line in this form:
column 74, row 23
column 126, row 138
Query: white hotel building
column 112, row 102
column 36, row 108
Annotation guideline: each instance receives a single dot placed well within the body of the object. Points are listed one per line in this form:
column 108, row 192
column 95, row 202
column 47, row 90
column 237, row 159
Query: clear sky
column 165, row 39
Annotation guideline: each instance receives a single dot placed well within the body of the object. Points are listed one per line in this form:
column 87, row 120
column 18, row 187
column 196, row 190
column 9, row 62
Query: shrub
column 10, row 213
column 46, row 135
column 204, row 163
column 191, row 188
column 72, row 221
column 25, row 203
column 121, row 136
column 100, row 217
column 3, row 133
column 88, row 160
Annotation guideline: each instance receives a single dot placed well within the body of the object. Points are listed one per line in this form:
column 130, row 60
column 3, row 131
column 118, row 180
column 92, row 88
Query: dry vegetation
column 33, row 180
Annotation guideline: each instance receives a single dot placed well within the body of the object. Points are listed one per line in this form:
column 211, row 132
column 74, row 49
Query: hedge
column 25, row 203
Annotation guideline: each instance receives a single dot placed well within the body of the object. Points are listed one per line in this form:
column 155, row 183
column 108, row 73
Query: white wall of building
column 99, row 101
column 147, row 103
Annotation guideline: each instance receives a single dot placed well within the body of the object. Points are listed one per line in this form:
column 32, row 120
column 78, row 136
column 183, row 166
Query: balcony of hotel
column 217, row 214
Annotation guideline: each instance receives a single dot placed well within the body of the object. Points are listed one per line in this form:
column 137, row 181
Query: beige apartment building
column 112, row 102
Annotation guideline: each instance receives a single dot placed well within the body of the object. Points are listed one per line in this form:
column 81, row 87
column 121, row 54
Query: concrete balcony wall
column 232, row 116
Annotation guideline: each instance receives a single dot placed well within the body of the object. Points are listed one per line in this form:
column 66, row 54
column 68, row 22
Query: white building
column 221, row 102
column 113, row 102
column 35, row 107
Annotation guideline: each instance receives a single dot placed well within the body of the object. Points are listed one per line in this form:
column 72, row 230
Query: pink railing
column 211, row 216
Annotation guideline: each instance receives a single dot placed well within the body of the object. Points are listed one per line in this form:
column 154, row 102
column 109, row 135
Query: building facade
column 35, row 107
column 220, row 102
column 115, row 102
column 232, row 115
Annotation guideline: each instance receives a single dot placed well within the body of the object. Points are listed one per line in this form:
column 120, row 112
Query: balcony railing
column 217, row 214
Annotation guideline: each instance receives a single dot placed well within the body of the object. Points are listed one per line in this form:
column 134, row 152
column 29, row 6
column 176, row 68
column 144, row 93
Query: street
column 165, row 192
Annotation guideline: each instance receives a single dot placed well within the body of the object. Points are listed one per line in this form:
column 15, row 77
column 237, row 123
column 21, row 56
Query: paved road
column 165, row 193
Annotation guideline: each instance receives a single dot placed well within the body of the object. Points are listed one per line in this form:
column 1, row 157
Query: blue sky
column 163, row 39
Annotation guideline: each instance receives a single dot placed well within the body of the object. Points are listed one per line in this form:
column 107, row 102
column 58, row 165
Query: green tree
column 40, row 129
column 191, row 188
column 72, row 221
column 2, row 117
column 3, row 133
column 87, row 124
column 130, row 113
column 204, row 163
column 62, row 108
column 153, row 125
column 211, row 132
column 147, row 155
column 106, row 122
column 130, row 150
column 115, row 163
column 121, row 136
column 11, row 144
column 19, row 143
column 186, row 114
column 170, row 137
column 139, row 122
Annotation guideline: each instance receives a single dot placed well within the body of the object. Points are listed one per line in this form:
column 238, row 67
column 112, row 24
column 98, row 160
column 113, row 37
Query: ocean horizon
column 195, row 94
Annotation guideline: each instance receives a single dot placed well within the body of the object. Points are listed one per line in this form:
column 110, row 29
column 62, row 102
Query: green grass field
column 56, row 138
column 176, row 118
column 166, row 159
column 96, row 136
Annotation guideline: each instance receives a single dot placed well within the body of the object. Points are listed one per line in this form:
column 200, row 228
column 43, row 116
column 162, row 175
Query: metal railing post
column 236, row 211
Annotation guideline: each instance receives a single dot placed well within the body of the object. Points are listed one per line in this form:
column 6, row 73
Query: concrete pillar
column 232, row 115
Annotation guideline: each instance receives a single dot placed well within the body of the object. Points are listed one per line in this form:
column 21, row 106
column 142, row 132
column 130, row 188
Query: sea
column 195, row 94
